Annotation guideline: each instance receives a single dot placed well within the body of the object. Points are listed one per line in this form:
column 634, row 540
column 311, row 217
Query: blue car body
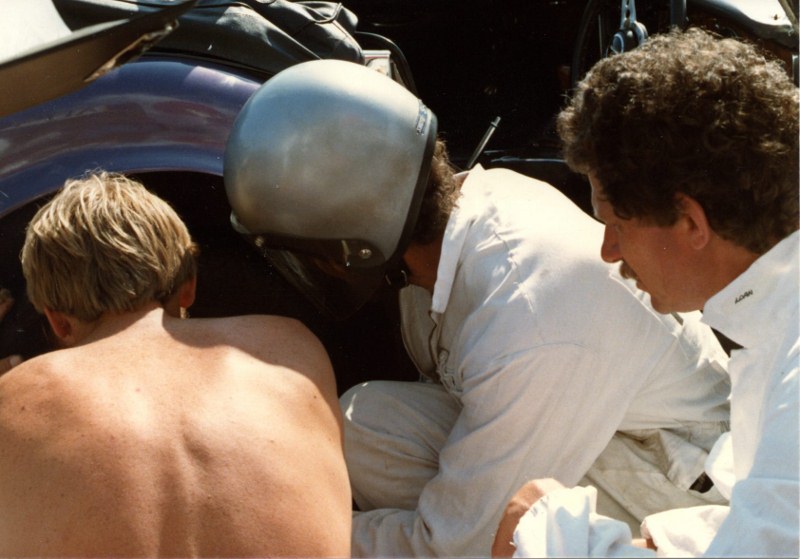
column 153, row 114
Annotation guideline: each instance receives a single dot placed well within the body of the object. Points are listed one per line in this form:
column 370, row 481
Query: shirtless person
column 150, row 435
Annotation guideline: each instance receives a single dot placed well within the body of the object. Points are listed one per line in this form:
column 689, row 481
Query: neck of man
column 723, row 263
column 109, row 324
column 423, row 263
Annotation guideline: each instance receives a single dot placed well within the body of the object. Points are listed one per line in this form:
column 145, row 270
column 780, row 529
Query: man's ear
column 63, row 326
column 696, row 222
column 181, row 299
column 187, row 292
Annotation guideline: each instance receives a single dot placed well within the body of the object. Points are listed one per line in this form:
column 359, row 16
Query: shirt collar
column 762, row 300
column 455, row 235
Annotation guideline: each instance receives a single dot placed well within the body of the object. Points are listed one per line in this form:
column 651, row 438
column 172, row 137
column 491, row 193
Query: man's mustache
column 626, row 271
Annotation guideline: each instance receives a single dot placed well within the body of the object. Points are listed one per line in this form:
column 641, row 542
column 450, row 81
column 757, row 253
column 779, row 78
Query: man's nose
column 609, row 251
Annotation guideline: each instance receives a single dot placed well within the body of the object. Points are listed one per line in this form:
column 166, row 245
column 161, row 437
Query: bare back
column 177, row 438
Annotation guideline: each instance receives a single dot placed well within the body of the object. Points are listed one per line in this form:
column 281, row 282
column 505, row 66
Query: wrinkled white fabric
column 594, row 536
column 719, row 465
column 544, row 352
column 643, row 472
column 758, row 310
column 684, row 532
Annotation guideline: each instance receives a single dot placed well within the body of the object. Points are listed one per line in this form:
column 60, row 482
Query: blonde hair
column 104, row 243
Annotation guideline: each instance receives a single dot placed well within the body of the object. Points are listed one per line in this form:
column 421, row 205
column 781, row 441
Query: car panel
column 265, row 36
column 68, row 63
column 149, row 115
column 765, row 19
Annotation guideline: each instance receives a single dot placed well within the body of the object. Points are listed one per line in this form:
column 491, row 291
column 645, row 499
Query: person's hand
column 6, row 302
column 519, row 504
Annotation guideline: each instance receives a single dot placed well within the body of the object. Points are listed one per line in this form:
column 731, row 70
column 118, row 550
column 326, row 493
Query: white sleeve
column 564, row 524
column 764, row 519
column 719, row 465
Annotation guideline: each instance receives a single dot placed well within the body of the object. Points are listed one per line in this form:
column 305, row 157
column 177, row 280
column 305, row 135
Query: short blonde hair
column 105, row 244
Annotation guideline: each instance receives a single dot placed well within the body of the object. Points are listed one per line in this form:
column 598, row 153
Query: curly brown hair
column 691, row 113
column 441, row 196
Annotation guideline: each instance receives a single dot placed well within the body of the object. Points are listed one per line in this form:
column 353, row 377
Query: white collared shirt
column 758, row 310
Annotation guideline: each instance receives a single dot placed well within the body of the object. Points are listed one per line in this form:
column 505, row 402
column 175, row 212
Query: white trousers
column 394, row 432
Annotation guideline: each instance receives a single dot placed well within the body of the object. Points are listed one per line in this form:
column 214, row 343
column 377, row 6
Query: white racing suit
column 540, row 353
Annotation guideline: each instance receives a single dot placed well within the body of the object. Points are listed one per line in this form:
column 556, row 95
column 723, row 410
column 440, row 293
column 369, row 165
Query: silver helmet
column 325, row 170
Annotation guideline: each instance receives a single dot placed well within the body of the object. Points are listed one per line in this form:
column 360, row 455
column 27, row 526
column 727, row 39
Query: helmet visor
column 338, row 277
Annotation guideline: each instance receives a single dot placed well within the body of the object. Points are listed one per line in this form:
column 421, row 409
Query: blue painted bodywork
column 153, row 114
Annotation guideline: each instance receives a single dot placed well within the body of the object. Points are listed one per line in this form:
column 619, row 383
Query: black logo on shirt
column 744, row 295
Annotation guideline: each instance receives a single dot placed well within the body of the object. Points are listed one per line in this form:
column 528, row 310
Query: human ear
column 63, row 326
column 181, row 299
column 187, row 293
column 695, row 222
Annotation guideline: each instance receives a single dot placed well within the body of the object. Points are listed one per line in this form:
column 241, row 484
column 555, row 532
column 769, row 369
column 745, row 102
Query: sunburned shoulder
column 31, row 374
column 275, row 341
column 279, row 334
column 261, row 322
column 37, row 388
column 267, row 323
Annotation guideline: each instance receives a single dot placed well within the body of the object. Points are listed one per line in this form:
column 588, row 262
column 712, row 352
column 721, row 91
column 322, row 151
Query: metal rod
column 677, row 15
column 485, row 140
